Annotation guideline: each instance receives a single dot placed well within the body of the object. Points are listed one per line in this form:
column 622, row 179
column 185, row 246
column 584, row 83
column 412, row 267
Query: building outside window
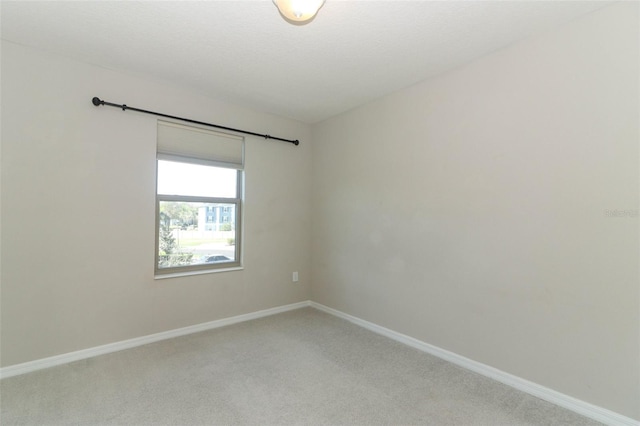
column 212, row 218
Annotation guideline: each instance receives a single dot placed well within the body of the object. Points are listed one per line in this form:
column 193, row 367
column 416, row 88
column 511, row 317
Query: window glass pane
column 196, row 233
column 175, row 178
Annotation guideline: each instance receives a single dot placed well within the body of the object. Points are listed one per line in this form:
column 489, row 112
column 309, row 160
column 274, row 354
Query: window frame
column 237, row 201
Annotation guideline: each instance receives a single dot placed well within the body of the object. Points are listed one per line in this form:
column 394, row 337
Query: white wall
column 78, row 210
column 470, row 211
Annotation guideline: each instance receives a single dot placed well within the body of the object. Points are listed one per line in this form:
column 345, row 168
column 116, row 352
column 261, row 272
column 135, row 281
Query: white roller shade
column 202, row 145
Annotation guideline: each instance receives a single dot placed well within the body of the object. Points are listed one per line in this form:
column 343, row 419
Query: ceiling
column 244, row 52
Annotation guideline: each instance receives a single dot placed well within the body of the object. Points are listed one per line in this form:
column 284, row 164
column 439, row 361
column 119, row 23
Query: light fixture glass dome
column 298, row 10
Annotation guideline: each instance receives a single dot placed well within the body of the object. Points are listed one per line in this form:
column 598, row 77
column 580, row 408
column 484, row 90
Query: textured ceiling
column 246, row 53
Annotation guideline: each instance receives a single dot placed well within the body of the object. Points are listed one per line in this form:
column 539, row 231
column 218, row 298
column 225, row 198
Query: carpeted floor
column 299, row 367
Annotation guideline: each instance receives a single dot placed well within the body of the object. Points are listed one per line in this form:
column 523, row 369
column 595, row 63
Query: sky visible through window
column 175, row 178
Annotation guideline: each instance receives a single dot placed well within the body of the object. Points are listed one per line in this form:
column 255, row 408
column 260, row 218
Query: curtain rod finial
column 96, row 101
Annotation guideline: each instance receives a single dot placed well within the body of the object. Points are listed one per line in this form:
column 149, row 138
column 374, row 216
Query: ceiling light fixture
column 298, row 11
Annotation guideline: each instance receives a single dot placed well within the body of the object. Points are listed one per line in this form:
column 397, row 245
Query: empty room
column 331, row 212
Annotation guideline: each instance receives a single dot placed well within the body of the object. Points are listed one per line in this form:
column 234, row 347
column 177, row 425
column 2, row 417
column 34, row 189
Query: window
column 199, row 174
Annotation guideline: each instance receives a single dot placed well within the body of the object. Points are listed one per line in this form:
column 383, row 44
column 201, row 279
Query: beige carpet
column 300, row 367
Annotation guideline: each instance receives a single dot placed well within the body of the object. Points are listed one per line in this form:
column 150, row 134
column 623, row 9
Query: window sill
column 189, row 273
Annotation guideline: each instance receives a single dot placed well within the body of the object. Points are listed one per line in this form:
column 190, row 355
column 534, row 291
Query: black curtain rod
column 97, row 101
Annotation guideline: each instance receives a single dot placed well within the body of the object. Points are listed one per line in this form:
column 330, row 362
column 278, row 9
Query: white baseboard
column 28, row 367
column 581, row 407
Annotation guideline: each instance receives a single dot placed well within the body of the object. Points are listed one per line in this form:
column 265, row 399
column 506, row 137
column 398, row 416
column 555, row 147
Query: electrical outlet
column 295, row 277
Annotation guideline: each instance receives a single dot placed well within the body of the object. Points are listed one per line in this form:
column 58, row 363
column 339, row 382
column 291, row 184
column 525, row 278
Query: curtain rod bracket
column 97, row 102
